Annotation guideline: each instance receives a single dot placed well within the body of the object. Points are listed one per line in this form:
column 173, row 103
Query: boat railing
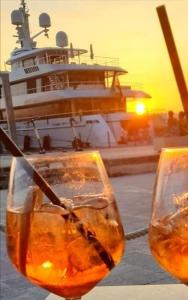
column 97, row 60
column 82, row 59
column 73, row 85
column 79, row 114
column 131, row 85
column 57, row 84
column 50, row 59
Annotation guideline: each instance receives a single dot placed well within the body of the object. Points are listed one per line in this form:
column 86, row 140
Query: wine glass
column 168, row 233
column 68, row 248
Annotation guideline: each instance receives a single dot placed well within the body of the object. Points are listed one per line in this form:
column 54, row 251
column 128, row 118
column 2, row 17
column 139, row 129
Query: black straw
column 44, row 186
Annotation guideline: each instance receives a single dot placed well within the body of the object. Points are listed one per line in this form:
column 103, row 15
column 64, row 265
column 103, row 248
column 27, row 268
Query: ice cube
column 181, row 200
column 53, row 209
column 82, row 255
column 90, row 201
column 175, row 223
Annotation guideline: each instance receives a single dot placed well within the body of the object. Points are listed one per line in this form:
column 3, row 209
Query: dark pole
column 172, row 51
column 9, row 107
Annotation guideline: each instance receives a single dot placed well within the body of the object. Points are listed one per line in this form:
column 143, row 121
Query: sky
column 125, row 29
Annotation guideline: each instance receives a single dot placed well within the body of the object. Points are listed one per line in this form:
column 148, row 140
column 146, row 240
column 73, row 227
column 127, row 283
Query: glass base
column 76, row 298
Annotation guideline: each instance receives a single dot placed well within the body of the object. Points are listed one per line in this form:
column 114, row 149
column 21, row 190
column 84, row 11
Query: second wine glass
column 168, row 233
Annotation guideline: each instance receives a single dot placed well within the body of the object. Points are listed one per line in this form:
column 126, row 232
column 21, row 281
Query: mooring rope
column 136, row 234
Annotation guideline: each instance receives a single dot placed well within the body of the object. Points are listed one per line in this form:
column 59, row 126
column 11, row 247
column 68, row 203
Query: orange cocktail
column 169, row 244
column 46, row 246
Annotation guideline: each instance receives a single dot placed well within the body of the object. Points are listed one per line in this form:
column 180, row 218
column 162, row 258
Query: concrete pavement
column 135, row 292
column 130, row 160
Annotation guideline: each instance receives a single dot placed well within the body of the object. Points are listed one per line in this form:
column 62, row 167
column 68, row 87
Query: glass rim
column 175, row 149
column 57, row 155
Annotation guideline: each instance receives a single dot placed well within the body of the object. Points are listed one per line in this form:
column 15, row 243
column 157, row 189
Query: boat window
column 57, row 59
column 29, row 62
column 31, row 86
column 53, row 82
column 54, row 57
column 45, row 84
column 109, row 78
column 15, row 65
column 97, row 105
column 86, row 78
column 83, row 105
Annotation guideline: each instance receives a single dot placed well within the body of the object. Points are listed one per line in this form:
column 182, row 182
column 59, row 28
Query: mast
column 26, row 41
column 20, row 18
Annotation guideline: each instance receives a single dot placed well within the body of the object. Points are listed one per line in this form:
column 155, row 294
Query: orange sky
column 126, row 29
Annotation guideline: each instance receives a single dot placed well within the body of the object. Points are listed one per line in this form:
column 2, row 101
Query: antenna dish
column 61, row 39
column 44, row 20
column 17, row 17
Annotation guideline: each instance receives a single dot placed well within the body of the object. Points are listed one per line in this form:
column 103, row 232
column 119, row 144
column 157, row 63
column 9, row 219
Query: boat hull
column 92, row 130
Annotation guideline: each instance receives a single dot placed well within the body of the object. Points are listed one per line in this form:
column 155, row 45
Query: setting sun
column 140, row 108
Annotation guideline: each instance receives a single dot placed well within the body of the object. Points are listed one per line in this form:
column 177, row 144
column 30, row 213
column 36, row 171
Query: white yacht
column 63, row 95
